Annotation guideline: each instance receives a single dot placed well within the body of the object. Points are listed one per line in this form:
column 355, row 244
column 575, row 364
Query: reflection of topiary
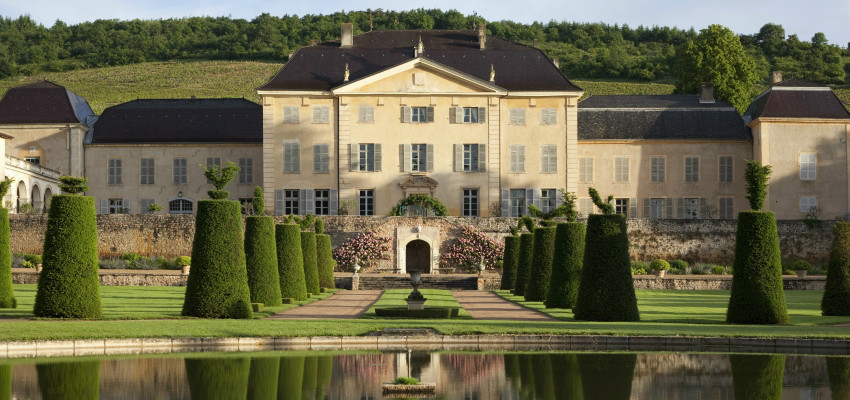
column 261, row 260
column 838, row 369
column 324, row 373
column 220, row 177
column 324, row 260
column 258, row 204
column 757, row 377
column 308, row 385
column 290, row 262
column 262, row 381
column 523, row 269
column 291, row 377
column 7, row 293
column 605, row 206
column 511, row 260
column 78, row 380
column 607, row 376
column 308, row 251
column 73, row 184
column 756, row 176
column 6, row 381
column 541, row 264
column 218, row 378
column 566, row 265
column 836, row 294
column 68, row 286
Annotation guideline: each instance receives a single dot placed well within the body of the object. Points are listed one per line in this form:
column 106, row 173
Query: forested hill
column 585, row 50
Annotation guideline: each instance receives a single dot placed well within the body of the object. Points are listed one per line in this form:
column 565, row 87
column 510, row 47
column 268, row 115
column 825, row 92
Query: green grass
column 435, row 298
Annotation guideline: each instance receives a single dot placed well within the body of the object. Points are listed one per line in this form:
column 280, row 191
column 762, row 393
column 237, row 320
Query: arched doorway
column 418, row 256
column 22, row 195
column 47, row 195
column 36, row 199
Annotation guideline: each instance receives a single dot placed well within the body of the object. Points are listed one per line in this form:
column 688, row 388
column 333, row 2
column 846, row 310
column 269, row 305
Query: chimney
column 706, row 93
column 775, row 77
column 534, row 43
column 347, row 35
column 482, row 36
column 557, row 63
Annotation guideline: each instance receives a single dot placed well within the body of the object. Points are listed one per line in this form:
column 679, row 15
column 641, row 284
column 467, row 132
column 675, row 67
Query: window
column 213, row 161
column 585, row 170
column 323, row 202
column 549, row 158
column 114, row 171
column 246, row 170
column 548, row 200
column 726, row 169
column 726, row 207
column 586, row 207
column 621, row 169
column 367, row 157
column 144, row 204
column 470, row 115
column 419, row 114
column 291, row 115
column 321, row 115
column 116, row 206
column 517, row 202
column 419, row 157
column 691, row 169
column 470, row 202
column 621, row 206
column 291, row 201
column 517, row 158
column 291, row 157
column 691, row 208
column 34, row 160
column 321, row 158
column 517, row 116
column 656, row 169
column 548, row 116
column 147, row 171
column 180, row 206
column 470, row 157
column 807, row 203
column 365, row 114
column 367, row 201
column 808, row 167
column 656, row 208
column 179, row 171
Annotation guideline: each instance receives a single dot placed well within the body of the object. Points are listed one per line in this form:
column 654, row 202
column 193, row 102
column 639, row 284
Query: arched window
column 180, row 206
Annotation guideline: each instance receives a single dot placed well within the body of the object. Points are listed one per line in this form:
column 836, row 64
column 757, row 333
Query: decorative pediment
column 418, row 181
column 419, row 75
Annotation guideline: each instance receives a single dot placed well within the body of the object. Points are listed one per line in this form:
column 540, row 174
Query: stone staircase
column 402, row 281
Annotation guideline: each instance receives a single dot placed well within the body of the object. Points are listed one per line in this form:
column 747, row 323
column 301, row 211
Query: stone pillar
column 571, row 111
column 76, row 134
column 355, row 282
column 269, row 159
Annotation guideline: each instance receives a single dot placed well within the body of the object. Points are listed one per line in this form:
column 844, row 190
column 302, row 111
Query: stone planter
column 38, row 268
column 801, row 273
column 404, row 391
column 660, row 273
column 185, row 269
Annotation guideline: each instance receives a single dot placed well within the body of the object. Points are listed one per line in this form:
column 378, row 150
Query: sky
column 803, row 18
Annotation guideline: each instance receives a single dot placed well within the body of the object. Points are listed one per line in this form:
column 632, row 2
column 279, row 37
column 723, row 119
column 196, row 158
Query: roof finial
column 345, row 75
column 492, row 73
column 420, row 48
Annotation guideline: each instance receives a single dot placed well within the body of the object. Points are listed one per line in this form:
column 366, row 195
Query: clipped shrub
column 606, row 291
column 76, row 380
column 541, row 264
column 319, row 226
column 113, row 263
column 311, row 271
column 218, row 378
column 757, row 295
column 220, row 177
column 145, row 263
column 290, row 262
column 659, row 265
column 261, row 260
column 7, row 294
column 33, row 258
column 802, row 265
column 523, row 269
column 511, row 260
column 183, row 261
column 679, row 265
column 757, row 377
column 638, row 268
column 718, row 270
column 756, row 175
column 701, row 269
column 218, row 281
column 566, row 265
column 262, row 380
column 324, row 260
column 836, row 294
column 68, row 286
column 258, row 205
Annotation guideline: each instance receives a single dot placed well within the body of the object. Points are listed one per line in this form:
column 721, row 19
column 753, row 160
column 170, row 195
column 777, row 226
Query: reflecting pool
column 458, row 375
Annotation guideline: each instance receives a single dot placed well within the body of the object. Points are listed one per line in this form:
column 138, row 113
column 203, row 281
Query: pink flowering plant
column 365, row 248
column 473, row 246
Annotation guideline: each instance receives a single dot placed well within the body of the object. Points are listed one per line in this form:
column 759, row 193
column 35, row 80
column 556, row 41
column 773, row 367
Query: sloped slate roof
column 180, row 121
column 796, row 98
column 43, row 102
column 518, row 67
column 673, row 117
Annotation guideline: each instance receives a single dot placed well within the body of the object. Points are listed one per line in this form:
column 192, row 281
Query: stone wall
column 692, row 240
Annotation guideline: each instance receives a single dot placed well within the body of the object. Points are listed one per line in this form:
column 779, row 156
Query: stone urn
column 415, row 301
column 38, row 268
column 660, row 273
column 185, row 269
column 801, row 273
column 356, row 269
column 481, row 267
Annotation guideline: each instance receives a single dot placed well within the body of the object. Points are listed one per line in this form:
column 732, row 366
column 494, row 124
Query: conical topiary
column 523, row 269
column 7, row 294
column 311, row 271
column 261, row 260
column 290, row 262
column 509, row 265
column 69, row 286
column 836, row 295
column 325, row 261
column 541, row 264
column 566, row 265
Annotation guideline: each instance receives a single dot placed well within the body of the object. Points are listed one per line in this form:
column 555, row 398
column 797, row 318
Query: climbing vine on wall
column 422, row 200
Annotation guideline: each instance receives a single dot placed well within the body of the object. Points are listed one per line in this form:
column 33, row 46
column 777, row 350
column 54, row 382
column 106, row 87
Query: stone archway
column 22, row 196
column 429, row 238
column 36, row 199
column 417, row 256
column 48, row 194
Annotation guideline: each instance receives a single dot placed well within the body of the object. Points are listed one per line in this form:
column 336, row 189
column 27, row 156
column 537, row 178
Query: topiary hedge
column 218, row 378
column 68, row 286
column 7, row 294
column 606, row 291
column 509, row 265
column 523, row 269
column 218, row 281
column 262, row 380
column 836, row 294
column 290, row 262
column 566, row 265
column 541, row 264
column 325, row 261
column 757, row 296
column 757, row 377
column 261, row 260
column 311, row 271
column 77, row 380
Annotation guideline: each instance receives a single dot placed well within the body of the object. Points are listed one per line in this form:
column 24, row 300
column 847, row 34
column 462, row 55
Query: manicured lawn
column 700, row 307
column 435, row 298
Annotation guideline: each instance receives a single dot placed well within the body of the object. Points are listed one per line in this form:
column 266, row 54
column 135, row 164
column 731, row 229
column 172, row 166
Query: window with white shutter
column 321, row 114
column 246, row 170
column 291, row 115
column 549, row 158
column 585, row 170
column 365, row 114
column 147, row 171
column 657, row 169
column 586, row 207
column 517, row 158
column 726, row 208
column 692, row 169
column 517, row 116
column 144, row 204
column 321, row 158
column 621, row 169
column 291, row 157
column 726, row 168
column 807, row 203
column 808, row 166
column 114, row 172
column 179, row 171
column 548, row 116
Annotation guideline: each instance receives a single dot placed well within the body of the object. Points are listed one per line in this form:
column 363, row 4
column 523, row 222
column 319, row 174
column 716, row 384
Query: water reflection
column 510, row 376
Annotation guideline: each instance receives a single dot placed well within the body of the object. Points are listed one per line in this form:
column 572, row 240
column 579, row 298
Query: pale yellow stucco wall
column 52, row 143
